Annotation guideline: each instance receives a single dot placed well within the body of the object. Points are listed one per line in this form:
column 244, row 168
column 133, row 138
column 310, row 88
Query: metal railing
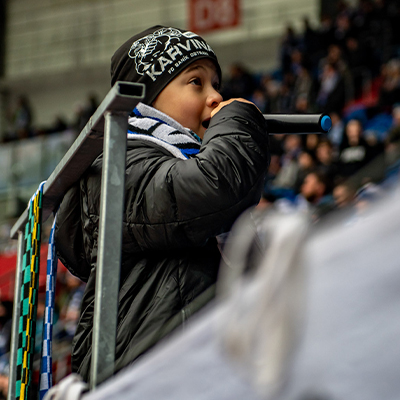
column 104, row 133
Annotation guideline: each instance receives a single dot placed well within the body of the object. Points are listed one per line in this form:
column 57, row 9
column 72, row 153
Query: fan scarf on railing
column 46, row 373
column 29, row 297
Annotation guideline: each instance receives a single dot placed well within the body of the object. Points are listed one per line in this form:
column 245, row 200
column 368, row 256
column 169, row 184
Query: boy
column 194, row 163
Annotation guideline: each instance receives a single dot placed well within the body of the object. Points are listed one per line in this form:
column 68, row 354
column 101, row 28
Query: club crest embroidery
column 166, row 49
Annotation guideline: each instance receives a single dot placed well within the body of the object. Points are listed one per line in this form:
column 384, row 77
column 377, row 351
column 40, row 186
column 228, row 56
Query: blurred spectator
column 84, row 112
column 23, row 118
column 336, row 58
column 366, row 196
column 378, row 32
column 289, row 42
column 355, row 152
column 312, row 42
column 267, row 200
column 343, row 29
column 311, row 142
column 395, row 116
column 393, row 10
column 302, row 105
column 390, row 89
column 285, row 99
column 363, row 19
column 296, row 61
column 335, row 135
column 392, row 157
column 392, row 146
column 315, row 197
column 306, row 164
column 376, row 147
column 331, row 93
column 3, row 384
column 286, row 177
column 70, row 307
column 357, row 61
column 271, row 88
column 20, row 120
column 344, row 195
column 316, row 190
column 260, row 99
column 326, row 159
column 273, row 170
column 240, row 83
column 325, row 32
column 59, row 124
column 303, row 90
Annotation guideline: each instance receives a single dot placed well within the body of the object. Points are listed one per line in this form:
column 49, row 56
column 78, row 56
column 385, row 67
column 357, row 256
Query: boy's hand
column 225, row 103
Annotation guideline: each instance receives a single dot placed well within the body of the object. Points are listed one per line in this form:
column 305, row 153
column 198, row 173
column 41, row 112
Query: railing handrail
column 123, row 97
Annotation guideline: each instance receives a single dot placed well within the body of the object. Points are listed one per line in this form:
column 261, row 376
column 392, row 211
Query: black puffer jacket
column 174, row 209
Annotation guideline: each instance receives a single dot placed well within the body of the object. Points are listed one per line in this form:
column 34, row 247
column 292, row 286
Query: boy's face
column 191, row 96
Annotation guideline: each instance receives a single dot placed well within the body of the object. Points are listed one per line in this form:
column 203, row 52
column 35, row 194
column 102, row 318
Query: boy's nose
column 214, row 98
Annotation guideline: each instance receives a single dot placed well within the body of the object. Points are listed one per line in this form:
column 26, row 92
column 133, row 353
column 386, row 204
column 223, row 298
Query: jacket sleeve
column 69, row 237
column 183, row 203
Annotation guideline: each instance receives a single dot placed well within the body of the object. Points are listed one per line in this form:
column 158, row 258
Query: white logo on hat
column 154, row 52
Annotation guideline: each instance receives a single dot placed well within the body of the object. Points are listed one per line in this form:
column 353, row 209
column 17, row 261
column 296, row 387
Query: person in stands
column 194, row 163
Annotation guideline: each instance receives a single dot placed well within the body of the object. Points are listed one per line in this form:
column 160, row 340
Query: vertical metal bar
column 15, row 318
column 109, row 253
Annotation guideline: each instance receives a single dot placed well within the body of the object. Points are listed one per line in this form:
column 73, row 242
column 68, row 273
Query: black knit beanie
column 156, row 56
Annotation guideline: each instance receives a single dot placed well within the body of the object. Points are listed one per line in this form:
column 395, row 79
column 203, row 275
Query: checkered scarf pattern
column 46, row 363
column 29, row 297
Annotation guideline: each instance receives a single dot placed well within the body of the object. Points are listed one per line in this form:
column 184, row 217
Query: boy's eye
column 217, row 86
column 196, row 81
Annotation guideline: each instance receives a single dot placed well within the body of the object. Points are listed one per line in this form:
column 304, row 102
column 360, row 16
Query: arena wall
column 59, row 51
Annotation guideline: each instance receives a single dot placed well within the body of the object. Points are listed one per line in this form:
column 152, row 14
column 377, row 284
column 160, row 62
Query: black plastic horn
column 298, row 123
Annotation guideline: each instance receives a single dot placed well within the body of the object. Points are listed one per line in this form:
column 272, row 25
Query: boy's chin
column 201, row 132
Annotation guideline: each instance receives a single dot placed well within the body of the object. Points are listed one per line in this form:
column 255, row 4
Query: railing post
column 111, row 117
column 109, row 250
column 15, row 318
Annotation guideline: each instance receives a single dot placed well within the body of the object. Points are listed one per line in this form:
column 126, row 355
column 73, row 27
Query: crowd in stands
column 20, row 119
column 348, row 67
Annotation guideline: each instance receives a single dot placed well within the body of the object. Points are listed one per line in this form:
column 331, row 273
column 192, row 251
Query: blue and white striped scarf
column 46, row 363
column 149, row 124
